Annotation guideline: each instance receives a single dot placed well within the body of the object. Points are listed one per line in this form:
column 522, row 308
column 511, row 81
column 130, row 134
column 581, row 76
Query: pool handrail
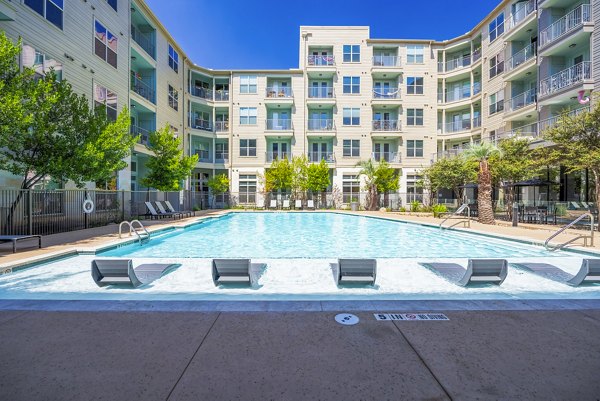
column 562, row 229
column 466, row 221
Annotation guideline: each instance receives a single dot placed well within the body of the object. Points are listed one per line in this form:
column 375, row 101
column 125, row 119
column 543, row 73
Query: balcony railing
column 566, row 24
column 442, row 154
column 476, row 88
column 549, row 122
column 386, row 125
column 529, row 130
column 571, row 76
column 144, row 40
column 198, row 123
column 272, row 156
column 386, row 61
column 521, row 100
column 222, row 158
column 203, row 156
column 321, row 93
column 523, row 10
column 222, row 126
column 477, row 122
column 386, row 93
column 204, row 93
column 321, row 60
column 281, row 92
column 221, row 95
column 390, row 157
column 454, row 96
column 457, row 126
column 321, row 124
column 143, row 89
column 316, row 157
column 279, row 125
column 521, row 57
column 144, row 134
column 454, row 64
column 476, row 55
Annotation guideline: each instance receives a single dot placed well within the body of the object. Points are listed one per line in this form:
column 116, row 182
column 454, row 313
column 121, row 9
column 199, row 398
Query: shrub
column 415, row 206
column 439, row 209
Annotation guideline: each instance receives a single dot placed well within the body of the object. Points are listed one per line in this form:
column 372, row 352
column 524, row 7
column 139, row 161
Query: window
column 350, row 188
column 414, row 116
column 496, row 27
column 496, row 102
column 414, row 54
column 221, row 151
column 414, row 148
column 106, row 98
column 351, row 148
column 248, row 115
column 105, row 44
column 248, row 147
column 173, row 98
column 351, row 116
column 248, row 84
column 414, row 192
column 52, row 10
column 173, row 59
column 496, row 65
column 40, row 62
column 352, row 85
column 351, row 53
column 112, row 3
column 414, row 85
column 247, row 188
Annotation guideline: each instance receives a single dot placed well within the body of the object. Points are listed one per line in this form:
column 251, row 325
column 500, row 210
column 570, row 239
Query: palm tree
column 482, row 153
column 368, row 169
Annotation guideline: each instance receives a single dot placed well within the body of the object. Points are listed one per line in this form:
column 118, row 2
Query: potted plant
column 354, row 204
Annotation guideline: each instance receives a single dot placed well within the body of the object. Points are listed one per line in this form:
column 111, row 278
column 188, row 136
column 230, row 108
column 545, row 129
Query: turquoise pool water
column 321, row 235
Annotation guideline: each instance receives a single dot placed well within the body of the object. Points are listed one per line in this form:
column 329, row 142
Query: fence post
column 29, row 212
column 122, row 205
column 85, row 215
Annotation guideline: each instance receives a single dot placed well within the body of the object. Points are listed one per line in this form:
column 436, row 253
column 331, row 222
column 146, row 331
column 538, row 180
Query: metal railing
column 198, row 123
column 203, row 155
column 144, row 235
column 144, row 40
column 143, row 89
column 566, row 24
column 562, row 229
column 386, row 61
column 316, row 157
column 201, row 92
column 221, row 158
column 221, row 95
column 455, row 63
column 565, row 78
column 272, row 156
column 222, row 126
column 321, row 60
column 457, row 126
column 278, row 92
column 321, row 93
column 144, row 134
column 321, row 124
column 390, row 157
column 476, row 55
column 525, row 131
column 386, row 93
column 459, row 212
column 521, row 100
column 454, row 96
column 386, row 125
column 521, row 57
column 522, row 11
column 477, row 122
column 549, row 122
column 476, row 88
column 279, row 124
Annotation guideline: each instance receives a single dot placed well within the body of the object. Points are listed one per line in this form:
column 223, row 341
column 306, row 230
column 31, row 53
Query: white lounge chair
column 164, row 212
column 298, row 204
column 588, row 273
column 286, row 204
column 260, row 204
column 152, row 211
column 478, row 271
column 310, row 204
column 273, row 204
column 171, row 209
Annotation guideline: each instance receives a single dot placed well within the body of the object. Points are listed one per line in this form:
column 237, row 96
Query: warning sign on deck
column 410, row 316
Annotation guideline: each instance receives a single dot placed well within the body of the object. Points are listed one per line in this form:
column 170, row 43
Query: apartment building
column 352, row 97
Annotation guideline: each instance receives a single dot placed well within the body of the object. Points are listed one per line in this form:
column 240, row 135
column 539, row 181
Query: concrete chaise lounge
column 478, row 271
column 232, row 271
column 121, row 272
column 356, row 271
column 589, row 272
column 16, row 238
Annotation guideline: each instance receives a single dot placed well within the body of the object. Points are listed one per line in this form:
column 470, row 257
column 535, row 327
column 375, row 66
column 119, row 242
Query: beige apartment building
column 352, row 97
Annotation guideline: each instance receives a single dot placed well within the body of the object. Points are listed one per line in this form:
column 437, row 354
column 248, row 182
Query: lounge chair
column 585, row 205
column 163, row 212
column 153, row 213
column 298, row 204
column 356, row 271
column 15, row 238
column 478, row 271
column 260, row 204
column 310, row 204
column 171, row 209
column 286, row 204
column 231, row 271
column 273, row 204
column 121, row 271
column 588, row 273
column 575, row 205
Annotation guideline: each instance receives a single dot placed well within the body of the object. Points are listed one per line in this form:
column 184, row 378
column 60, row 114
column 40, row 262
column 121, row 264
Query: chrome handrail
column 132, row 229
column 466, row 221
column 562, row 229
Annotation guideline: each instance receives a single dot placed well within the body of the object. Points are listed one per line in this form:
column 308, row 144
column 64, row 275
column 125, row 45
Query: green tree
column 279, row 175
column 317, row 179
column 369, row 170
column 386, row 178
column 449, row 173
column 299, row 176
column 168, row 167
column 482, row 153
column 218, row 184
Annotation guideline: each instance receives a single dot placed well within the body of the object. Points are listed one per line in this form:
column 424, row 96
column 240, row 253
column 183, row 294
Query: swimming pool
column 321, row 235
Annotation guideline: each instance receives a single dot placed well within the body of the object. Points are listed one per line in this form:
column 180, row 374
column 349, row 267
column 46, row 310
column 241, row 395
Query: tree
column 369, row 170
column 577, row 143
column 279, row 175
column 46, row 130
column 299, row 175
column 218, row 184
column 317, row 178
column 386, row 179
column 482, row 154
column 450, row 173
column 168, row 167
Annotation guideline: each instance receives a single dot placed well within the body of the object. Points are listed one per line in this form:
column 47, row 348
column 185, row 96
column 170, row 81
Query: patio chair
column 478, row 271
column 286, row 204
column 298, row 204
column 575, row 205
column 232, row 271
column 15, row 238
column 152, row 211
column 260, row 204
column 356, row 271
column 589, row 272
column 171, row 209
column 273, row 204
column 121, row 272
column 163, row 211
column 310, row 204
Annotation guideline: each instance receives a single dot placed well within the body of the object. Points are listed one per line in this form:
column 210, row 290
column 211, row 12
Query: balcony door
column 319, row 150
column 382, row 151
column 319, row 89
column 279, row 150
column 280, row 120
column 383, row 58
column 382, row 121
column 382, row 89
column 320, row 120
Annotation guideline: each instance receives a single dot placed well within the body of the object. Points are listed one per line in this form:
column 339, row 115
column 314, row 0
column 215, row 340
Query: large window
column 173, row 59
column 352, row 85
column 497, row 65
column 351, row 116
column 173, row 98
column 221, row 151
column 496, row 102
column 496, row 27
column 414, row 85
column 351, row 53
column 350, row 188
column 106, row 98
column 351, row 148
column 247, row 188
column 414, row 116
column 414, row 148
column 248, row 83
column 414, row 192
column 248, row 147
column 40, row 62
column 414, row 54
column 52, row 10
column 105, row 44
column 248, row 115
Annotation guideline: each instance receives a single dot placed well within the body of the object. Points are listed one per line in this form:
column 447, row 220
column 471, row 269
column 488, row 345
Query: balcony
column 203, row 156
column 521, row 13
column 386, row 61
column 144, row 40
column 521, row 57
column 477, row 122
column 222, row 158
column 566, row 78
column 570, row 22
column 281, row 92
column 457, row 126
column 386, row 125
column 455, row 64
column 221, row 95
column 526, row 131
column 144, row 134
column 279, row 125
column 456, row 96
column 476, row 55
column 317, row 61
column 272, row 156
column 143, row 89
column 321, row 93
column 521, row 100
column 203, row 93
column 316, row 157
column 549, row 122
column 390, row 157
column 222, row 126
column 321, row 124
column 386, row 94
column 200, row 124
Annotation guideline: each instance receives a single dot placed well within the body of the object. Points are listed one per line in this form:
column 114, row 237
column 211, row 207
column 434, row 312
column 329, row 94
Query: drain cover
column 346, row 319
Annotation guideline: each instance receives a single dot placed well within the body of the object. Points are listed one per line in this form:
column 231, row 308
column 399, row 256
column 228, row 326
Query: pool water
column 321, row 235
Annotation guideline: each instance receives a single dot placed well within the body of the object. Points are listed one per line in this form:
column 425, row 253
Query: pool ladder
column 585, row 237
column 464, row 220
column 140, row 231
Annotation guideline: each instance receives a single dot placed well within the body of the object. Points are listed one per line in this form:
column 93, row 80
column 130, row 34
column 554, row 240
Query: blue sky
column 235, row 34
